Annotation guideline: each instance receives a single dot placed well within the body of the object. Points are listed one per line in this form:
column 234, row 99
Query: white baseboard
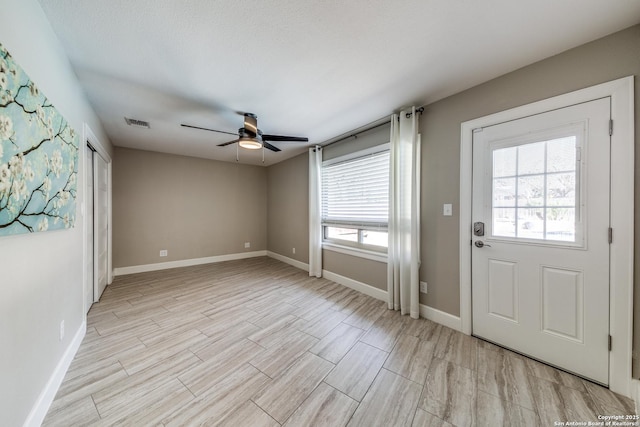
column 121, row 271
column 294, row 262
column 355, row 285
column 635, row 392
column 433, row 314
column 42, row 405
column 438, row 316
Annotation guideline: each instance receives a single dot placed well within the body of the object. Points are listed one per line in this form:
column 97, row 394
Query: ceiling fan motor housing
column 251, row 123
column 247, row 133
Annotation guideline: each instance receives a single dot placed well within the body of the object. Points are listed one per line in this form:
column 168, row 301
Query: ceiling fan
column 252, row 138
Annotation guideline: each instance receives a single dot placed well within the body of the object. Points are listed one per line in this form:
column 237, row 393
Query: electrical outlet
column 61, row 330
column 164, row 252
column 247, row 244
column 294, row 251
column 423, row 287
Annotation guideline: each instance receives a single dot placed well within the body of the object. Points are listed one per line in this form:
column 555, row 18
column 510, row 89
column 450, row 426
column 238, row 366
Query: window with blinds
column 355, row 200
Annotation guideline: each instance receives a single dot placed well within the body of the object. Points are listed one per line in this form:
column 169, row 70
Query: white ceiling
column 305, row 67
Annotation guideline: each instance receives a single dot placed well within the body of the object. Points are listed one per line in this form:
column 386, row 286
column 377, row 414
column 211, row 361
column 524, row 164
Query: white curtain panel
column 404, row 215
column 315, row 215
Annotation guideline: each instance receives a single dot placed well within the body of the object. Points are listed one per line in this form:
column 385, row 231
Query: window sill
column 358, row 252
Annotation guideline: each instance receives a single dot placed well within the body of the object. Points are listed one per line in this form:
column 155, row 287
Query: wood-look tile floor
column 258, row 343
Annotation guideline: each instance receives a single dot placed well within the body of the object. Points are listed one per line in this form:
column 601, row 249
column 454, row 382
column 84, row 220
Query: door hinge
column 610, row 235
column 610, row 341
column 610, row 127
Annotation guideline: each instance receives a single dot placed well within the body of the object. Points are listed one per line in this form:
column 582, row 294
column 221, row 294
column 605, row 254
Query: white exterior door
column 100, row 237
column 540, row 254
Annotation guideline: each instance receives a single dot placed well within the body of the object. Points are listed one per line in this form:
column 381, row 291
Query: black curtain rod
column 418, row 110
column 355, row 135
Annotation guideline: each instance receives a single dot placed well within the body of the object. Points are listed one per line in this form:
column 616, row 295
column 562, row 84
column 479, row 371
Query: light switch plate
column 447, row 209
column 423, row 287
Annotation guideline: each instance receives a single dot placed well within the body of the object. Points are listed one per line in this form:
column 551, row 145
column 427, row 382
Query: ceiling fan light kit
column 250, row 143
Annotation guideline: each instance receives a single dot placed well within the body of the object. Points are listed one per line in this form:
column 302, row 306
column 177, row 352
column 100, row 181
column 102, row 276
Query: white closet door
column 89, row 221
column 101, row 225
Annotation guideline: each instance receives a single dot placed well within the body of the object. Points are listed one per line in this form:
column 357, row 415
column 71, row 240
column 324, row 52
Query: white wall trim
column 357, row 252
column 621, row 92
column 355, row 285
column 433, row 314
column 42, row 405
column 85, row 226
column 441, row 317
column 635, row 387
column 294, row 262
column 121, row 271
column 386, row 146
column 90, row 137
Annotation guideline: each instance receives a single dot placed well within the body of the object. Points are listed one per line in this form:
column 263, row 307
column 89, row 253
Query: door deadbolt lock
column 478, row 229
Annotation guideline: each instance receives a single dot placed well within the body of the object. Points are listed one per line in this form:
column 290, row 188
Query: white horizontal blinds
column 355, row 192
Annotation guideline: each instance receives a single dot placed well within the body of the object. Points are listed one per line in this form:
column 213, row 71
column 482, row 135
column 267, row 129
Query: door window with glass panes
column 535, row 191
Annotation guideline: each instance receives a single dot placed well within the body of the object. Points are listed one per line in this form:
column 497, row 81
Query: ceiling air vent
column 138, row 123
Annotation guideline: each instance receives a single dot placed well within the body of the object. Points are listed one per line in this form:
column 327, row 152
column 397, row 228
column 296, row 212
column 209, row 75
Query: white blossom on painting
column 38, row 157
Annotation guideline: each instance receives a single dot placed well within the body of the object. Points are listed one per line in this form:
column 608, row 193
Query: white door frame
column 89, row 137
column 621, row 92
column 87, row 217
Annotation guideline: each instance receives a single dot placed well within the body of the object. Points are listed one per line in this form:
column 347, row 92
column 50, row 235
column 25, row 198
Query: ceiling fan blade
column 270, row 147
column 284, row 138
column 210, row 130
column 228, row 143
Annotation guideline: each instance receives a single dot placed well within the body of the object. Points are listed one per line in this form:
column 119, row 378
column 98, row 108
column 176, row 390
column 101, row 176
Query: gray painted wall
column 288, row 208
column 597, row 62
column 376, row 136
column 41, row 283
column 193, row 208
column 606, row 59
column 373, row 273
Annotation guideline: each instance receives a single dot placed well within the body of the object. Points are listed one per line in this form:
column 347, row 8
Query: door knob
column 481, row 244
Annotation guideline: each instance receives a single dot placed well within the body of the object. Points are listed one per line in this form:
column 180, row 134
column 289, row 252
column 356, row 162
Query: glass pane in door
column 534, row 190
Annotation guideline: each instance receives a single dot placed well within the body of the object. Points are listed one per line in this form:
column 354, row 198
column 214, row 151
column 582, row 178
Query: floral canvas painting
column 38, row 157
